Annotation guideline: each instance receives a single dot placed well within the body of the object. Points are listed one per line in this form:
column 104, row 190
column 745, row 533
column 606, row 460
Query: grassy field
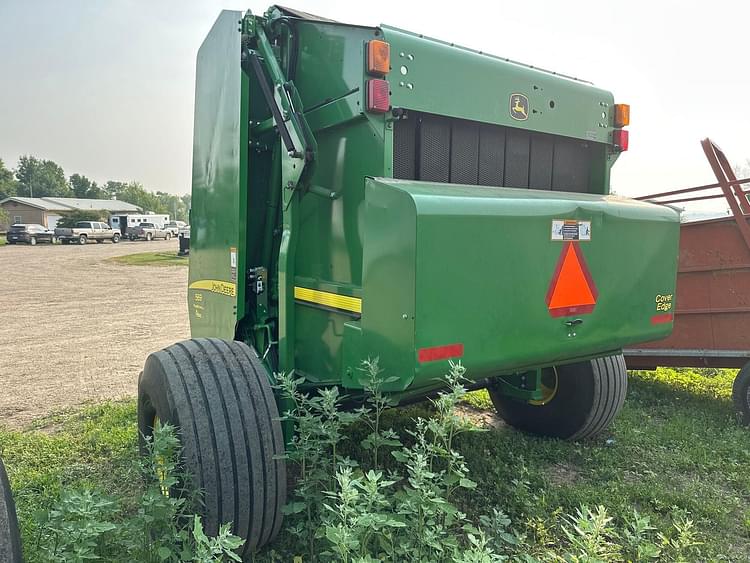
column 3, row 240
column 676, row 447
column 152, row 259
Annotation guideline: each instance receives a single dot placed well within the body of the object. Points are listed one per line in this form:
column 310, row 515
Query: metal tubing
column 719, row 165
column 694, row 189
column 271, row 102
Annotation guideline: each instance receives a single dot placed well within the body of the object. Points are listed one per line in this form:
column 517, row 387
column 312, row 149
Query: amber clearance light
column 622, row 115
column 378, row 57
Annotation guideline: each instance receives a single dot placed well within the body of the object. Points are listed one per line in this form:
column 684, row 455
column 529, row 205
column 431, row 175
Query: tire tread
column 220, row 396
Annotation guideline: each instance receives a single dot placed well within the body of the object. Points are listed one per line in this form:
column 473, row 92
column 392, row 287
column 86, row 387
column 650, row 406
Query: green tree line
column 35, row 177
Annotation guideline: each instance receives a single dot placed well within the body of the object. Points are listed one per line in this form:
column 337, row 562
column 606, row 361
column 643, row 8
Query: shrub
column 90, row 525
column 396, row 502
column 70, row 219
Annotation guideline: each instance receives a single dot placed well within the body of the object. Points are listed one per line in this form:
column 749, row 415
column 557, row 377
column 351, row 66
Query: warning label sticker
column 571, row 229
column 233, row 264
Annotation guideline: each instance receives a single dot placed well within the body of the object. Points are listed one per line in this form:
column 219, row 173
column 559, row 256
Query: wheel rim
column 32, row 241
column 550, row 383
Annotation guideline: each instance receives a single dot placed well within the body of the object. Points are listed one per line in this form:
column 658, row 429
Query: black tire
column 149, row 236
column 115, row 239
column 741, row 394
column 10, row 537
column 587, row 397
column 83, row 239
column 218, row 394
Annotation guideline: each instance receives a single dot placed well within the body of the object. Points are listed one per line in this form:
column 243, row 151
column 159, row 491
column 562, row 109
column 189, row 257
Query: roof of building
column 72, row 203
column 96, row 204
column 38, row 202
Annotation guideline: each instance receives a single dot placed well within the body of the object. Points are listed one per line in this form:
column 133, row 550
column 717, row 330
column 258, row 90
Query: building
column 48, row 211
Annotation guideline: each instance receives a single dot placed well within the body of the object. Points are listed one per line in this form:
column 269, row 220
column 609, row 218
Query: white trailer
column 122, row 222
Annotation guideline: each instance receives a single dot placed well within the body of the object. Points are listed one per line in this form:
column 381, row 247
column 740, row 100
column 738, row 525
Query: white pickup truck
column 84, row 231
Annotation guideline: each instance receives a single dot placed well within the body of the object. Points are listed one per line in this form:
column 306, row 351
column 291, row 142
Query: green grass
column 152, row 259
column 3, row 240
column 90, row 448
column 676, row 444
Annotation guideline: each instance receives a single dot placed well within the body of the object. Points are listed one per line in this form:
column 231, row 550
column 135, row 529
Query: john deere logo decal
column 519, row 107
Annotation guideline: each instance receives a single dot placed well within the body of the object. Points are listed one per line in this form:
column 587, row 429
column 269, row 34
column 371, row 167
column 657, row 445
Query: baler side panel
column 330, row 70
column 389, row 292
column 215, row 298
column 435, row 77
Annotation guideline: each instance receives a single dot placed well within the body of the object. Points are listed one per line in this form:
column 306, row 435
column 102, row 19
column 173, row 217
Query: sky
column 105, row 87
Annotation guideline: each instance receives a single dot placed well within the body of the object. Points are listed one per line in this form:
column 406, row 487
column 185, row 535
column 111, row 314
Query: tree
column 70, row 219
column 4, row 219
column 41, row 178
column 85, row 188
column 134, row 192
column 114, row 189
column 176, row 206
column 8, row 184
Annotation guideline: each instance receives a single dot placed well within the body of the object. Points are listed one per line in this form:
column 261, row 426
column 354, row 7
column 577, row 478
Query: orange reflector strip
column 572, row 290
column 622, row 115
column 378, row 57
column 440, row 353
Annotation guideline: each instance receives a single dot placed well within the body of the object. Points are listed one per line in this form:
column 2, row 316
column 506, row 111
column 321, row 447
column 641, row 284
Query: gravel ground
column 77, row 328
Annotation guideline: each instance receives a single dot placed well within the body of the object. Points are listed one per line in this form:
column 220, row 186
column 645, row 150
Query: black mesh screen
column 441, row 149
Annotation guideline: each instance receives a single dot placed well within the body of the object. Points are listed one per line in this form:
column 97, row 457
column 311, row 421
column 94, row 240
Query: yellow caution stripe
column 216, row 286
column 326, row 299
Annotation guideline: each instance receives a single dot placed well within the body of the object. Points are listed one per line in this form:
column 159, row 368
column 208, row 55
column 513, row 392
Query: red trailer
column 711, row 310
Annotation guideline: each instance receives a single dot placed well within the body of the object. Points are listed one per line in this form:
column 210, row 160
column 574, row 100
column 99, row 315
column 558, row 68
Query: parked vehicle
column 148, row 231
column 122, row 222
column 30, row 234
column 84, row 231
column 174, row 227
column 457, row 208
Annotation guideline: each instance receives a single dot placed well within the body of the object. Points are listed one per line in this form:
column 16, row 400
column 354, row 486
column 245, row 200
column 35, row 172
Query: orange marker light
column 378, row 57
column 622, row 115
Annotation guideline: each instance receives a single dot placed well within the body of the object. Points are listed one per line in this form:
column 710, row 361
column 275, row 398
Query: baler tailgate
column 513, row 278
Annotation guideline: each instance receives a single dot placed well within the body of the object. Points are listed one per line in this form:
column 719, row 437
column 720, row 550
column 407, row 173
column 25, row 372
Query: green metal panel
column 215, row 299
column 447, row 264
column 447, row 80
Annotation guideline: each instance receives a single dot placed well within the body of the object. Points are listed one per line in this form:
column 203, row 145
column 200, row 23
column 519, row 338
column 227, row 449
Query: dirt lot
column 77, row 328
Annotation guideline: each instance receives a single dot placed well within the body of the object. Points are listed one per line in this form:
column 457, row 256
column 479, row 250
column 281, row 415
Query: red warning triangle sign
column 572, row 290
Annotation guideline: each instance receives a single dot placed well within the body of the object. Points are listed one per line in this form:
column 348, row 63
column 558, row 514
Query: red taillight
column 620, row 139
column 378, row 96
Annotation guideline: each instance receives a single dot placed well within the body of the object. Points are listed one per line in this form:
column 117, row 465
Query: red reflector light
column 440, row 352
column 620, row 139
column 378, row 96
column 661, row 319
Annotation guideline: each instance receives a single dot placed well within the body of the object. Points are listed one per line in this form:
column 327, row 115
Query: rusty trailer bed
column 711, row 310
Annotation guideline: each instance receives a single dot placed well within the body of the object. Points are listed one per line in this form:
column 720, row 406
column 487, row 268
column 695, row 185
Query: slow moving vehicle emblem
column 519, row 107
column 572, row 290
